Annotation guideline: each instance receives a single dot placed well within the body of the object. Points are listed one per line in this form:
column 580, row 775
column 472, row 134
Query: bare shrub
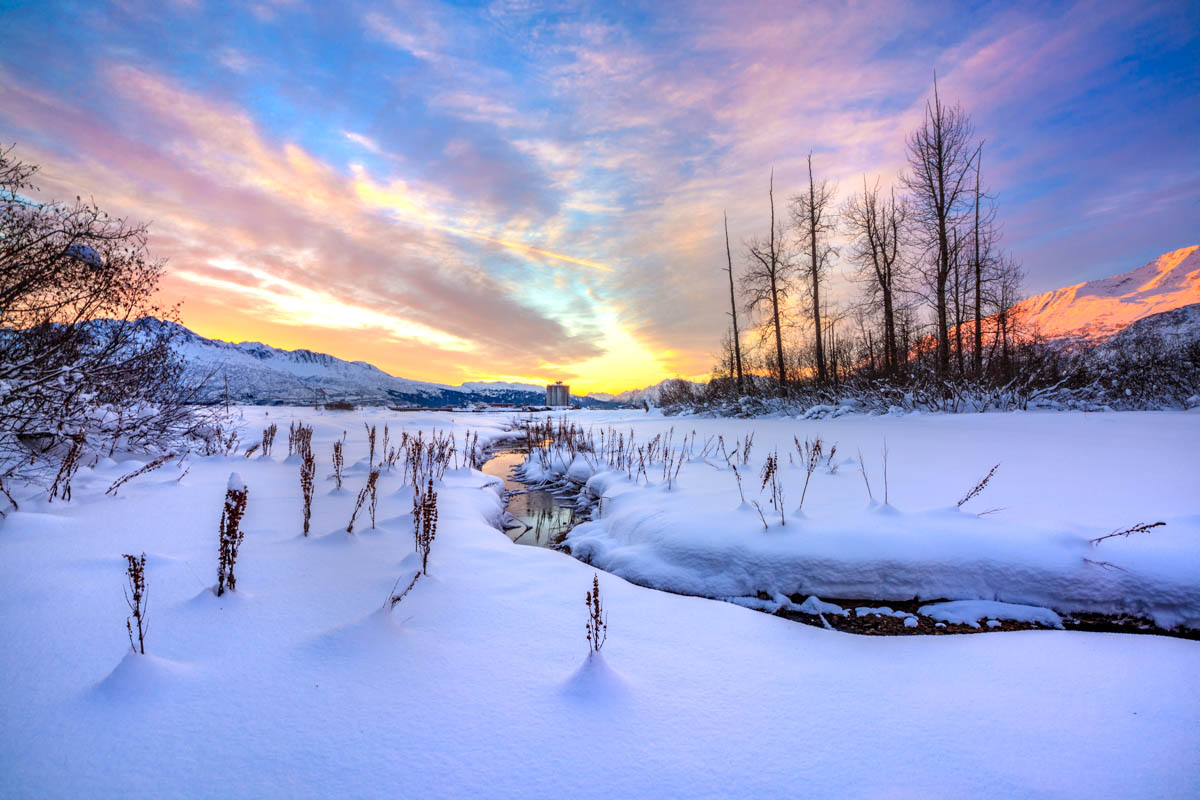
column 231, row 534
column 85, row 353
column 135, row 598
column 597, row 624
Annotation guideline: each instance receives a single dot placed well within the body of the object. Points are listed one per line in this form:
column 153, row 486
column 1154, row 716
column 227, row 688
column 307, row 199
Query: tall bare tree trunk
column 977, row 361
column 815, row 274
column 775, row 294
column 737, row 342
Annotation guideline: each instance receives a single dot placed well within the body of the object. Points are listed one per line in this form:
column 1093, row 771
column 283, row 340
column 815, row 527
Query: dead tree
column 737, row 341
column 940, row 156
column 813, row 218
column 767, row 282
column 875, row 226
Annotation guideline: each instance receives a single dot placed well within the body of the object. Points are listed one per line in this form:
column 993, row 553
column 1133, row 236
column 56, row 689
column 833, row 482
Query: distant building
column 558, row 394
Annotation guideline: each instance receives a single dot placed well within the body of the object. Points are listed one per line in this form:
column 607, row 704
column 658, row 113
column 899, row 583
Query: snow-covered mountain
column 258, row 373
column 1095, row 310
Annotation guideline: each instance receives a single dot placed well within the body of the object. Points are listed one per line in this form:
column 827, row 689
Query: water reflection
column 539, row 517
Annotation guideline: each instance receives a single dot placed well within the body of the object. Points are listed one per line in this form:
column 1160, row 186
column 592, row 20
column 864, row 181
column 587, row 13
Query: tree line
column 935, row 290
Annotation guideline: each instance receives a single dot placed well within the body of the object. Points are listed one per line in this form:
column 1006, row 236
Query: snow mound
column 970, row 612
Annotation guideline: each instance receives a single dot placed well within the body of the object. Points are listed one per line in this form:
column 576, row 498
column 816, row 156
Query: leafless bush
column 308, row 470
column 597, row 624
column 85, row 354
column 1141, row 527
column 142, row 470
column 135, row 598
column 371, row 444
column 368, row 491
column 979, row 487
column 425, row 516
column 231, row 534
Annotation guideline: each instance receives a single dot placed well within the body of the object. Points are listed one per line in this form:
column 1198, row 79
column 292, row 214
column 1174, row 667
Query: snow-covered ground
column 478, row 683
column 1063, row 479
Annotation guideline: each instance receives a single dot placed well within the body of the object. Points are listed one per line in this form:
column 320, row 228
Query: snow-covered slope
column 258, row 373
column 1097, row 309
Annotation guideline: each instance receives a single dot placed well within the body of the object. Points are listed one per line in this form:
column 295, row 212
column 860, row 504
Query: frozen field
column 478, row 684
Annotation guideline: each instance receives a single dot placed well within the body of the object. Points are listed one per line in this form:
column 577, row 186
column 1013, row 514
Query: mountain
column 258, row 373
column 1095, row 310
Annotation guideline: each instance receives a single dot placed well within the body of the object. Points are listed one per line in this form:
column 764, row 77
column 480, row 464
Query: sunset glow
column 458, row 193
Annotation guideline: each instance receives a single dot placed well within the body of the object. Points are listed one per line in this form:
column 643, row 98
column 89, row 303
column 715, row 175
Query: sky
column 524, row 191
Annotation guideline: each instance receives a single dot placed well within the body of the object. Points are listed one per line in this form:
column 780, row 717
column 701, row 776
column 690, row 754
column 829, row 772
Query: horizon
column 515, row 195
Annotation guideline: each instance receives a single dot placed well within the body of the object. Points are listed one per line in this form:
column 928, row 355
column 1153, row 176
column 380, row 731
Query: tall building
column 558, row 394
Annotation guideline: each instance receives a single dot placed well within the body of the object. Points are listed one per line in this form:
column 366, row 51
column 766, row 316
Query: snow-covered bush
column 86, row 365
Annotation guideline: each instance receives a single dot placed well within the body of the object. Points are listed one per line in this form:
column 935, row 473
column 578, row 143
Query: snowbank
column 478, row 683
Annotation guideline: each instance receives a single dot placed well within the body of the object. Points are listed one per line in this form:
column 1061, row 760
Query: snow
column 969, row 612
column 1065, row 479
column 479, row 683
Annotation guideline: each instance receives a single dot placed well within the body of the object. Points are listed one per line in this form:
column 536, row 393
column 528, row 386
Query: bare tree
column 737, row 342
column 875, row 225
column 940, row 156
column 813, row 218
column 768, row 281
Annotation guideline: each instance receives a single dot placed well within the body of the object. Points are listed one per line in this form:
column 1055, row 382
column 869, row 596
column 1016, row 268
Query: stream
column 539, row 516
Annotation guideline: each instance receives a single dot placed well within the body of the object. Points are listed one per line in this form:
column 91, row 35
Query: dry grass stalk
column 339, row 461
column 394, row 598
column 862, row 467
column 70, row 465
column 979, row 487
column 597, row 624
column 142, row 470
column 810, row 454
column 268, row 438
column 135, row 598
column 308, row 471
column 363, row 494
column 230, row 533
column 425, row 516
column 1141, row 527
